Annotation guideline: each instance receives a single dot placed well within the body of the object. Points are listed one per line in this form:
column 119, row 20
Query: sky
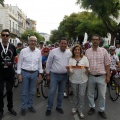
column 47, row 13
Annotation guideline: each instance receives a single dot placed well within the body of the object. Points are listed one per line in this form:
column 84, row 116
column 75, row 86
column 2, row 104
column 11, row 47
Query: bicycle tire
column 44, row 87
column 113, row 89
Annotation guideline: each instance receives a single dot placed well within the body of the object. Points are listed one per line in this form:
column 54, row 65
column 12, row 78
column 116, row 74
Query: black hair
column 5, row 30
column 63, row 38
column 96, row 35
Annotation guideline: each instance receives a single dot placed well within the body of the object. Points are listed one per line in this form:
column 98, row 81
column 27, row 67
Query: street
column 112, row 109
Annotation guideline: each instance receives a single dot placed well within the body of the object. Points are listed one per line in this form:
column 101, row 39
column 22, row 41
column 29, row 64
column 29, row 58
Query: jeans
column 56, row 80
column 9, row 85
column 101, row 84
column 28, row 88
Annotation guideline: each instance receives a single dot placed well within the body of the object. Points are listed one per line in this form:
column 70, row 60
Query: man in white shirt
column 57, row 73
column 29, row 64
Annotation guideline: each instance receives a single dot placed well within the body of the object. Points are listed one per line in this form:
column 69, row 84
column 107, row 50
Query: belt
column 96, row 75
column 29, row 71
column 61, row 73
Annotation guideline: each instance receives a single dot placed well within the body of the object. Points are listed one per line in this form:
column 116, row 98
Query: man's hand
column 40, row 77
column 107, row 78
column 19, row 77
column 48, row 77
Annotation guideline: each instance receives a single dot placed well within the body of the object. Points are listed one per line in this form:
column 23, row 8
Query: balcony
column 14, row 31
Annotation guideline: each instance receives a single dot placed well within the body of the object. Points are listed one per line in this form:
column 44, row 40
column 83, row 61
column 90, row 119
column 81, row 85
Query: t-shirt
column 114, row 59
column 7, row 60
column 78, row 75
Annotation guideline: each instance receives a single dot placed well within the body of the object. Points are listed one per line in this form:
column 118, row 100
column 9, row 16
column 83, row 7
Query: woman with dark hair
column 78, row 69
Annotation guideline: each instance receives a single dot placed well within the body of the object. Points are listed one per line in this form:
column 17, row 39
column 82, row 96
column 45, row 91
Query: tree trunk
column 112, row 38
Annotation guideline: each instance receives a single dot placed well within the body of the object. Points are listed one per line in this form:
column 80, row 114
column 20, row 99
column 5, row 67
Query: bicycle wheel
column 45, row 87
column 16, row 81
column 4, row 92
column 96, row 93
column 113, row 89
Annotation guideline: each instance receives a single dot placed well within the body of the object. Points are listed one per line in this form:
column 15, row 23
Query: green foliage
column 107, row 11
column 29, row 33
column 77, row 24
column 2, row 2
column 48, row 42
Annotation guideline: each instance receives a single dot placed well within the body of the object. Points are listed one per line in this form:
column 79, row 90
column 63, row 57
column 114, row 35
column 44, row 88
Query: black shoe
column 48, row 112
column 1, row 115
column 91, row 111
column 31, row 109
column 103, row 115
column 60, row 110
column 23, row 112
column 12, row 112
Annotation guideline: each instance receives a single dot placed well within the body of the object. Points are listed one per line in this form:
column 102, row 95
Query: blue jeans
column 28, row 88
column 56, row 80
column 101, row 84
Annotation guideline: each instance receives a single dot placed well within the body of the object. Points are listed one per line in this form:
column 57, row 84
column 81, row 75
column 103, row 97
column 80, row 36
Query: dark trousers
column 9, row 85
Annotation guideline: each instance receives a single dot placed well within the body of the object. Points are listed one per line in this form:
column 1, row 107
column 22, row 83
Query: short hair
column 96, row 36
column 33, row 37
column 63, row 38
column 5, row 30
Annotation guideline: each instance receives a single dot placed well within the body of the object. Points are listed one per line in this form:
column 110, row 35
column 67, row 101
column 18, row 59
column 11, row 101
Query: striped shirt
column 98, row 60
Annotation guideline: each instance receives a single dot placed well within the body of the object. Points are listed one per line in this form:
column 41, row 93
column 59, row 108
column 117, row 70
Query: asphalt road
column 112, row 109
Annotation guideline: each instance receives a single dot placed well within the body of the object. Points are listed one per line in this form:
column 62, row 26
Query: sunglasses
column 5, row 35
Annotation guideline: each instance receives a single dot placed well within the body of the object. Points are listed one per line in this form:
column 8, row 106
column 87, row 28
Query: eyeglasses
column 5, row 35
column 77, row 63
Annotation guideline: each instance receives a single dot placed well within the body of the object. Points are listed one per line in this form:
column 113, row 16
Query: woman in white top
column 78, row 69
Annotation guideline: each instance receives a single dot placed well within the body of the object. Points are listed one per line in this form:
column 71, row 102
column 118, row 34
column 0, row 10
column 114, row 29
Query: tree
column 77, row 24
column 2, row 2
column 107, row 11
column 29, row 33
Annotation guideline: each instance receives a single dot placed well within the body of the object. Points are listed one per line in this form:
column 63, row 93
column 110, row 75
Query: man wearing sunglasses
column 7, row 54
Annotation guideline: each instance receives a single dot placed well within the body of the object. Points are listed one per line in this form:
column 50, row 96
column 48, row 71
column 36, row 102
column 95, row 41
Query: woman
column 78, row 69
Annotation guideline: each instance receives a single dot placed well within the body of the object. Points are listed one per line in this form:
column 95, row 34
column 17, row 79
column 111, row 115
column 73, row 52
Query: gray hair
column 33, row 37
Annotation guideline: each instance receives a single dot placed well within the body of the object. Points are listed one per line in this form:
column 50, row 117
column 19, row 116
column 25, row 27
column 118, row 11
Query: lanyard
column 5, row 51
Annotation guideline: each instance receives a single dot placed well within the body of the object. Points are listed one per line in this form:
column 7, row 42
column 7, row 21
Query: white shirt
column 114, row 59
column 78, row 75
column 30, row 60
column 57, row 61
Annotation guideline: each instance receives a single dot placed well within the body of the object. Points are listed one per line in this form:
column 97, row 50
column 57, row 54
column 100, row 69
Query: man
column 7, row 55
column 41, row 47
column 57, row 73
column 29, row 64
column 99, row 74
column 19, row 48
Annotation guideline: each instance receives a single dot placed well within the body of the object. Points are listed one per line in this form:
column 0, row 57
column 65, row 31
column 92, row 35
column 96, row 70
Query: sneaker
column 12, row 112
column 81, row 115
column 23, row 112
column 74, row 110
column 65, row 95
column 1, row 115
column 31, row 109
column 91, row 111
column 103, row 115
column 60, row 110
column 38, row 93
column 48, row 112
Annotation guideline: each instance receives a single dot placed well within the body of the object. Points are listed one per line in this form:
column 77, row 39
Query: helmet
column 106, row 46
column 112, row 48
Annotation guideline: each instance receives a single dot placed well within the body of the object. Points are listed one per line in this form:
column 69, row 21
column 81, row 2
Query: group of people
column 83, row 71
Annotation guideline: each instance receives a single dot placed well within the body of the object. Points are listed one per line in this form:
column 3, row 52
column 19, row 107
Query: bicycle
column 44, row 86
column 113, row 86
